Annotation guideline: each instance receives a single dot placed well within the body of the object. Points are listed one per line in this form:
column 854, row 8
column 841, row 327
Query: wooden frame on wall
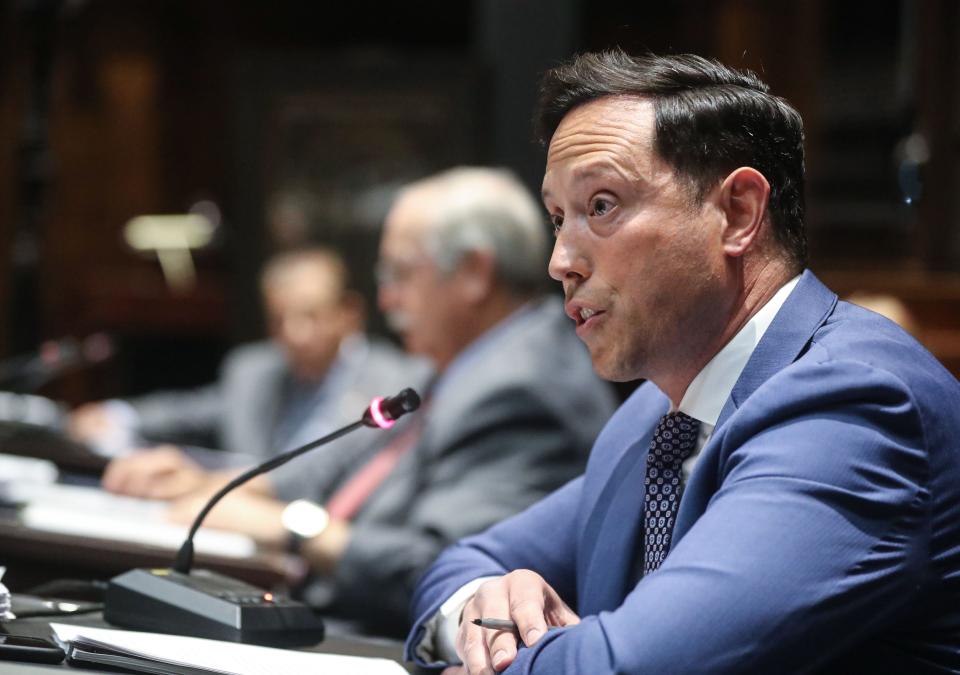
column 321, row 142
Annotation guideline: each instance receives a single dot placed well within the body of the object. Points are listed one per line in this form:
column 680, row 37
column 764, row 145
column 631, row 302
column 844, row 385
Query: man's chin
column 610, row 369
column 414, row 346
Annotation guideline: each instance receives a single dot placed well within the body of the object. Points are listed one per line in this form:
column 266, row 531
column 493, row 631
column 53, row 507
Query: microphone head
column 383, row 412
column 408, row 400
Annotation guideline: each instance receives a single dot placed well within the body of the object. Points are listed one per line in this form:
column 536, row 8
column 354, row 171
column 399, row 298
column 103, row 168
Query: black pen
column 496, row 624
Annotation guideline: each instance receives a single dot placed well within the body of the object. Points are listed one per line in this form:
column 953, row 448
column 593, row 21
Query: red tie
column 345, row 502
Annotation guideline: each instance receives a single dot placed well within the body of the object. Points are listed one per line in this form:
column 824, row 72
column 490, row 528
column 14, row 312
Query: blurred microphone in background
column 28, row 372
column 22, row 375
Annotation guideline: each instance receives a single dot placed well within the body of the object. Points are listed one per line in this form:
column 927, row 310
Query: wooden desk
column 34, row 557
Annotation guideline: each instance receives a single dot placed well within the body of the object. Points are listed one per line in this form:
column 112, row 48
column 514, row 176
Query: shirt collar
column 711, row 387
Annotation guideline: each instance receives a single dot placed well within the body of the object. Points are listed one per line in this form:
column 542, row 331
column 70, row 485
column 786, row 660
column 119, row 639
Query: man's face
column 420, row 301
column 308, row 317
column 641, row 264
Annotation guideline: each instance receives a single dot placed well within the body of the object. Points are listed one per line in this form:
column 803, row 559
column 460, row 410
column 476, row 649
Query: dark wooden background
column 298, row 119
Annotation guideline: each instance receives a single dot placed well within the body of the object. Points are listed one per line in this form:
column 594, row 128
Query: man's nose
column 567, row 260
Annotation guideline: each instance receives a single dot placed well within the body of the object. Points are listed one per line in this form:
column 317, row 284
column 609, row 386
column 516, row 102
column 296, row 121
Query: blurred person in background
column 510, row 417
column 316, row 373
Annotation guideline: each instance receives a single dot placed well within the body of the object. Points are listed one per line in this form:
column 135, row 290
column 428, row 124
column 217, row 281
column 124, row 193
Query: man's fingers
column 161, row 473
column 492, row 601
column 172, row 484
column 129, row 475
column 502, row 648
column 454, row 670
column 154, row 482
column 471, row 639
column 472, row 649
column 558, row 613
column 528, row 613
column 125, row 479
column 528, row 604
column 522, row 597
column 114, row 476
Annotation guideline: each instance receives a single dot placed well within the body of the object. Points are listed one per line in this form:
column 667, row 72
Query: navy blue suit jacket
column 819, row 530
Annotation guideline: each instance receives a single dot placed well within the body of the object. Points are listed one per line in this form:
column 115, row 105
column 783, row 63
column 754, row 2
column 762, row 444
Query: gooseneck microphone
column 206, row 604
column 382, row 413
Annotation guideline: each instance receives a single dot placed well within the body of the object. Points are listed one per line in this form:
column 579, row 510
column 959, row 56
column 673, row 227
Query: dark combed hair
column 710, row 119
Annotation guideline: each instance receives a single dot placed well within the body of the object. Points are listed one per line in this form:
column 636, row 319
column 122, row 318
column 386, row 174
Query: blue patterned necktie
column 674, row 440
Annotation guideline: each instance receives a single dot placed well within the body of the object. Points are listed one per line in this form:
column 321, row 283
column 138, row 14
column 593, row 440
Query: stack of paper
column 5, row 602
column 157, row 653
column 91, row 512
column 22, row 476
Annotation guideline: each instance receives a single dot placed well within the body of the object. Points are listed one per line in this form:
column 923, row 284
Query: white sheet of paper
column 5, row 613
column 92, row 512
column 25, row 471
column 229, row 657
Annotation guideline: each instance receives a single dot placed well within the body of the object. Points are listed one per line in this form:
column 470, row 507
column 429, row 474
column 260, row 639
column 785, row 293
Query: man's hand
column 164, row 472
column 522, row 596
column 250, row 514
column 261, row 517
column 89, row 423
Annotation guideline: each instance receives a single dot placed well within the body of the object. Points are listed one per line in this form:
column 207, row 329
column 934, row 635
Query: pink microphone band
column 378, row 415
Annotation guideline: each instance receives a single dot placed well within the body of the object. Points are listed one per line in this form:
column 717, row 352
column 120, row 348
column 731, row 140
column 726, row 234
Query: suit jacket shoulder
column 210, row 415
column 538, row 363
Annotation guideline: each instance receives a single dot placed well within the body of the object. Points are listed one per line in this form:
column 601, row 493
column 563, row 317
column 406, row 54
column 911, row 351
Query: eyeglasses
column 389, row 272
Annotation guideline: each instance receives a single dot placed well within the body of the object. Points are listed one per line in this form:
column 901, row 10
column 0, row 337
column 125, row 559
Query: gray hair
column 484, row 209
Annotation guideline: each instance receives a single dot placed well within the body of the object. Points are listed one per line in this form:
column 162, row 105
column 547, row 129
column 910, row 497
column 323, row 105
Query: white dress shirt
column 703, row 400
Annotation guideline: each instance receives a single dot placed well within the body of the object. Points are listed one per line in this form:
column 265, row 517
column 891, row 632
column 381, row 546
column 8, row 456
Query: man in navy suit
column 783, row 494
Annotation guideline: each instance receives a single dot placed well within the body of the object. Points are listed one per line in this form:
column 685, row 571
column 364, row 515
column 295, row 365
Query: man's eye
column 557, row 222
column 600, row 207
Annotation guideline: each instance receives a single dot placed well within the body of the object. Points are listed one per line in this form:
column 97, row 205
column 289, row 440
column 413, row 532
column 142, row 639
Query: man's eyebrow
column 599, row 169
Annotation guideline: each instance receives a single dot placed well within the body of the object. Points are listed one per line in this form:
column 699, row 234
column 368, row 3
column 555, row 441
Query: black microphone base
column 210, row 605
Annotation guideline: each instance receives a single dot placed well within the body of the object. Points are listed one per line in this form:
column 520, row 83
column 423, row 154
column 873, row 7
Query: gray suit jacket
column 239, row 412
column 511, row 420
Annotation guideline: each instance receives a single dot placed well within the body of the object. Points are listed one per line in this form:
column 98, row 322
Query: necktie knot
column 673, row 440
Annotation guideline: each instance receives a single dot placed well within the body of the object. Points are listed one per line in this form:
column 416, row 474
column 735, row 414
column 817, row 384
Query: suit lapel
column 789, row 334
column 785, row 340
column 613, row 526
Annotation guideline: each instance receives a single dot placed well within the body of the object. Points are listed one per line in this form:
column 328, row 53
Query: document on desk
column 177, row 654
column 91, row 512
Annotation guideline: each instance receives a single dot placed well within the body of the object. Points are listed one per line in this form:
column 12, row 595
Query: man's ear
column 743, row 197
column 476, row 275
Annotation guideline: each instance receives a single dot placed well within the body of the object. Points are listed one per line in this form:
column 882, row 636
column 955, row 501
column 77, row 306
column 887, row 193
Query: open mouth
column 586, row 315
